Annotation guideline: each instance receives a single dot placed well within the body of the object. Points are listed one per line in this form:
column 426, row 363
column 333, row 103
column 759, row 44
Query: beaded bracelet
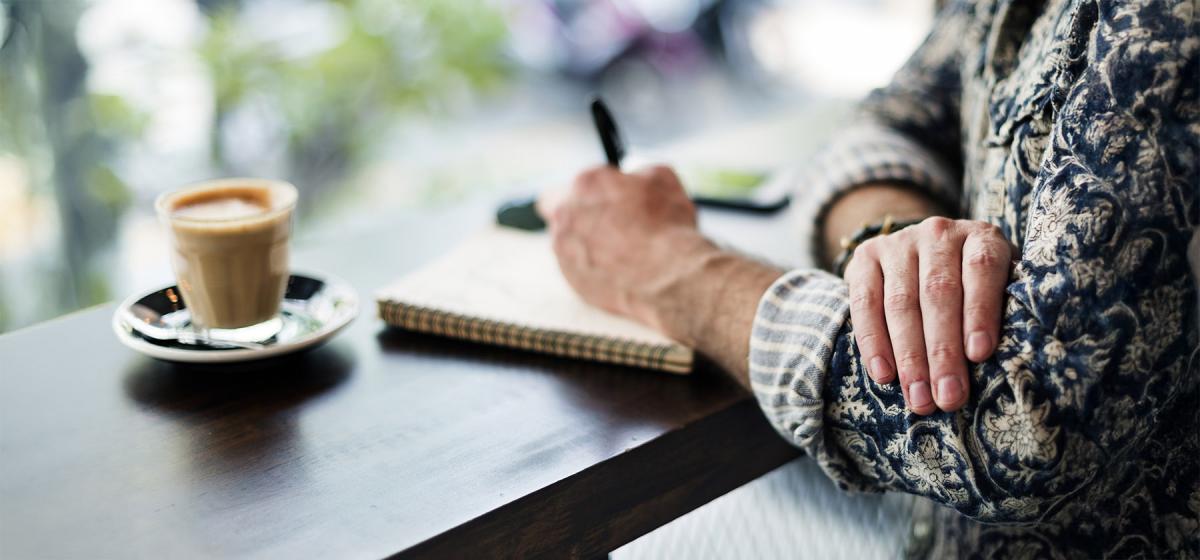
column 849, row 244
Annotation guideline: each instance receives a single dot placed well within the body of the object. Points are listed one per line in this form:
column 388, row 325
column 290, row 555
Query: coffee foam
column 227, row 208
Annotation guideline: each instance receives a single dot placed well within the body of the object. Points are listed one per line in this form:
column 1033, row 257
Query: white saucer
column 158, row 324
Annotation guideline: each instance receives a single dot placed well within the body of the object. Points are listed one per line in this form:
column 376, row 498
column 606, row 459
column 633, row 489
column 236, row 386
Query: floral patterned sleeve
column 1099, row 325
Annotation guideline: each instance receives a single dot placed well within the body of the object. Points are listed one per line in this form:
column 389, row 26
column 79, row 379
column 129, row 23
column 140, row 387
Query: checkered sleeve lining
column 791, row 347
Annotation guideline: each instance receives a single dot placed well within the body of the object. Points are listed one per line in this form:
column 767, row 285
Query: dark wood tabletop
column 380, row 443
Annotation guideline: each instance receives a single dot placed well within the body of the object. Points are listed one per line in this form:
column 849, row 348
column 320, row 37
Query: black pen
column 606, row 127
column 522, row 214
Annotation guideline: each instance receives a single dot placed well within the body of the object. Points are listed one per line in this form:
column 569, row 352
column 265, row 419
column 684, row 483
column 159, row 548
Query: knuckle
column 978, row 311
column 898, row 300
column 984, row 256
column 937, row 226
column 591, row 174
column 905, row 236
column 940, row 285
column 857, row 268
column 586, row 183
column 662, row 172
column 943, row 352
column 854, row 273
column 911, row 362
column 868, row 339
column 863, row 301
column 868, row 247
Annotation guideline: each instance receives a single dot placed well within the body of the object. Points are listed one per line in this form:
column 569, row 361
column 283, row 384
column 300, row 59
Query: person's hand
column 925, row 299
column 624, row 240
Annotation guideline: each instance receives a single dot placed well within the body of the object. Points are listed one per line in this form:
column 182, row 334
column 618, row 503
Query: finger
column 549, row 200
column 594, row 181
column 940, row 250
column 661, row 177
column 902, row 313
column 986, row 256
column 657, row 172
column 866, row 313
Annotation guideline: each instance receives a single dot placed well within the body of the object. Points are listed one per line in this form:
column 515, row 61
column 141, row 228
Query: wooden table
column 382, row 443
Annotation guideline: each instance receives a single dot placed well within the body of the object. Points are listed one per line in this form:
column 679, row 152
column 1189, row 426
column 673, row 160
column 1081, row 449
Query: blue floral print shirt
column 1074, row 126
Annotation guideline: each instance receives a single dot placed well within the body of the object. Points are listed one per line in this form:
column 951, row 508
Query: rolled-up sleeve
column 791, row 349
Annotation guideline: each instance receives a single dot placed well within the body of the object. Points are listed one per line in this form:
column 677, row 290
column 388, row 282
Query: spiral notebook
column 503, row 287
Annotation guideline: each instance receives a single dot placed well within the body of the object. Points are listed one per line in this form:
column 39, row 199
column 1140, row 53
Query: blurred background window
column 371, row 106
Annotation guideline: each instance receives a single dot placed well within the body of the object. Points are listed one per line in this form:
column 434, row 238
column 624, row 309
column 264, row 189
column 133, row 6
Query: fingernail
column 918, row 395
column 949, row 391
column 978, row 344
column 880, row 371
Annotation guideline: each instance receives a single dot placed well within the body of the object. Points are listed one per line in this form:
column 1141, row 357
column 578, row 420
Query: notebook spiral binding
column 662, row 357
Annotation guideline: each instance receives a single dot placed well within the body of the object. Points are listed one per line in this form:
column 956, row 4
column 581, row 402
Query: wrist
column 869, row 204
column 707, row 286
column 682, row 255
column 704, row 297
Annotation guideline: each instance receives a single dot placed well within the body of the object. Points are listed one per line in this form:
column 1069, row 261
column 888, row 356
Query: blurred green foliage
column 386, row 59
column 389, row 58
column 114, row 115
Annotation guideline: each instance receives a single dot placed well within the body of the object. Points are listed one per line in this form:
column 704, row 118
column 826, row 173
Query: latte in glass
column 230, row 253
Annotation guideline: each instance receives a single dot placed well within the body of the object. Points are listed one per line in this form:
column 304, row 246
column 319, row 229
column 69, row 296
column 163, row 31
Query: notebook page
column 509, row 275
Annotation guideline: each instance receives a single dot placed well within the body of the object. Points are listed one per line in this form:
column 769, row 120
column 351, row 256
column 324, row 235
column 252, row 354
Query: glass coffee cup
column 230, row 254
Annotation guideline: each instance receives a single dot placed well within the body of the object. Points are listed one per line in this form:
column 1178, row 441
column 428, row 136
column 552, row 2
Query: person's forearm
column 711, row 296
column 869, row 204
column 711, row 304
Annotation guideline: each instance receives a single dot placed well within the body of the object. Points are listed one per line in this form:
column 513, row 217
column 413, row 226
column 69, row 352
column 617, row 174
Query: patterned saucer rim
column 348, row 310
